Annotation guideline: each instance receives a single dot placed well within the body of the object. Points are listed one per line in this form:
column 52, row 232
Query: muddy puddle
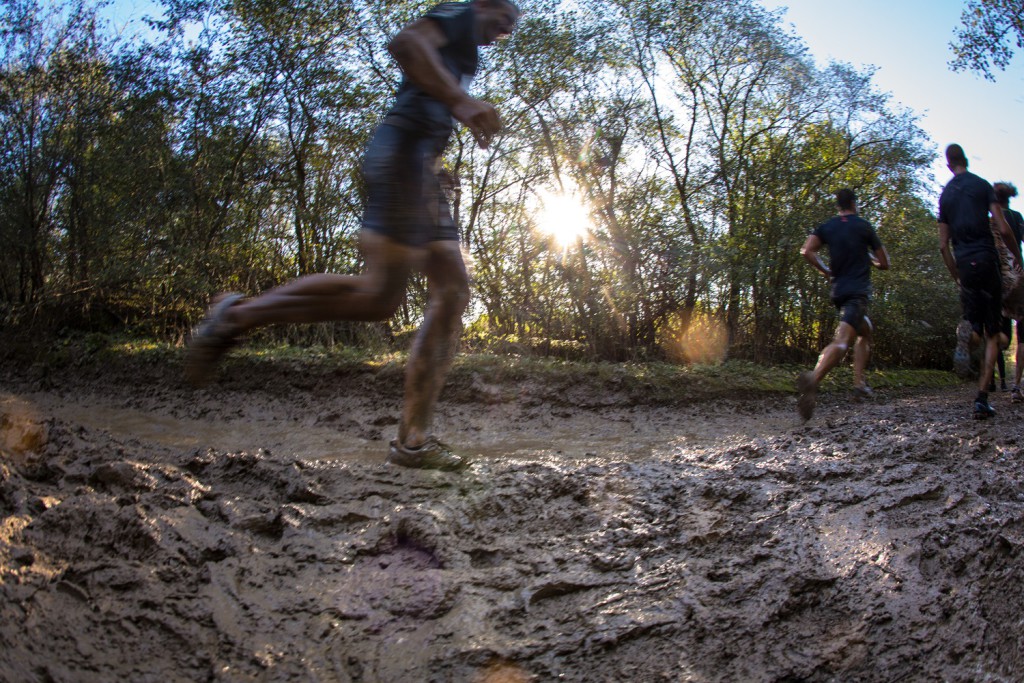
column 555, row 434
column 154, row 533
column 121, row 423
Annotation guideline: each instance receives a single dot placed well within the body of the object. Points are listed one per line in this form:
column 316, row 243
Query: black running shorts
column 981, row 292
column 853, row 310
column 404, row 197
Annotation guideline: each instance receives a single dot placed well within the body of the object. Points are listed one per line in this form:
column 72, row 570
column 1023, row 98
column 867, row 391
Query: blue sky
column 908, row 41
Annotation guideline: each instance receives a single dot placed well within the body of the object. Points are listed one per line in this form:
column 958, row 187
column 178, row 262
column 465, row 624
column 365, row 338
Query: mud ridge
column 252, row 533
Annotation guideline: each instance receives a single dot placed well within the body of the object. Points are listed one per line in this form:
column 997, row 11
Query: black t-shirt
column 415, row 109
column 851, row 240
column 963, row 206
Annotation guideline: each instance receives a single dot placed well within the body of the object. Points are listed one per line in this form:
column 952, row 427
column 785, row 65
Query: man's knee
column 846, row 334
column 452, row 295
column 447, row 279
column 385, row 299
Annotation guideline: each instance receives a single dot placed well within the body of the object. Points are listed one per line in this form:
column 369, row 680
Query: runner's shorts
column 404, row 198
column 981, row 291
column 853, row 310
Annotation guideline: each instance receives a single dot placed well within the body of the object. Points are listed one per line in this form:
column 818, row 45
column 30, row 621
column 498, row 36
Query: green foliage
column 990, row 32
column 513, row 375
column 139, row 177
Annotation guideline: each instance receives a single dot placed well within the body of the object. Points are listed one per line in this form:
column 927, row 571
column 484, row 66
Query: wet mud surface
column 251, row 532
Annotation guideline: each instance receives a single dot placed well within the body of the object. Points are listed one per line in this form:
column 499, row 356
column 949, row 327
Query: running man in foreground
column 853, row 248
column 970, row 255
column 407, row 225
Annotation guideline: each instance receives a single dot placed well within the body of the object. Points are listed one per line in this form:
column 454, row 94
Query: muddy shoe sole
column 962, row 355
column 210, row 342
column 808, row 391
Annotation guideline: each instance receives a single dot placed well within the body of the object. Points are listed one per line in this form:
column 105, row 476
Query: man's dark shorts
column 853, row 310
column 404, row 197
column 981, row 293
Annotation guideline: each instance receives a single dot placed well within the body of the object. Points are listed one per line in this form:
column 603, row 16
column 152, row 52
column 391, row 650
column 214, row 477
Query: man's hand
column 947, row 253
column 480, row 117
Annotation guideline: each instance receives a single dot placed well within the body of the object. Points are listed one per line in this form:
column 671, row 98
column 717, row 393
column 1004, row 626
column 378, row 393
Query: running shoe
column 432, row 455
column 1015, row 395
column 962, row 355
column 863, row 392
column 983, row 411
column 808, row 390
column 211, row 339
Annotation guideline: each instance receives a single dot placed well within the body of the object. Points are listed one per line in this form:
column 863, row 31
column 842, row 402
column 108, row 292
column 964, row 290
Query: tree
column 989, row 34
column 223, row 151
column 32, row 126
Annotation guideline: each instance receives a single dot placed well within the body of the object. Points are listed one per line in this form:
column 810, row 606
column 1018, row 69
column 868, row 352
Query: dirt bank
column 250, row 532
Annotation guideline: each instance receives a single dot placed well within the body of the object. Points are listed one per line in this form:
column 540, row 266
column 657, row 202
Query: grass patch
column 654, row 382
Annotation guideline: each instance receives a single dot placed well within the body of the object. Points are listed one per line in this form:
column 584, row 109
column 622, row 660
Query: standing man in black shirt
column 407, row 225
column 970, row 254
column 853, row 248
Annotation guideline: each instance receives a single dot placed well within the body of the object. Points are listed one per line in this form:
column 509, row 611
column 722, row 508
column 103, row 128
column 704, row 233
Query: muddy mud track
column 252, row 533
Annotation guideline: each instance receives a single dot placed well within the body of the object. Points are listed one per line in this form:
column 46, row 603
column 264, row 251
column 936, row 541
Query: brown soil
column 251, row 532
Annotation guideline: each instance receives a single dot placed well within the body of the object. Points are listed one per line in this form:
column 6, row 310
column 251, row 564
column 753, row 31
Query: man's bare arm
column 1007, row 234
column 810, row 254
column 416, row 48
column 880, row 259
column 947, row 254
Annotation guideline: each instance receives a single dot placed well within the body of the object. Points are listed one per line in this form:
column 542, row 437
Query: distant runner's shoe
column 983, row 411
column 962, row 355
column 863, row 392
column 211, row 339
column 808, row 390
column 1015, row 395
column 1002, row 385
column 432, row 455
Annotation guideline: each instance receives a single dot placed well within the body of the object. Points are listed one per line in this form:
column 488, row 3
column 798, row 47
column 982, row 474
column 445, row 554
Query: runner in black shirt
column 407, row 225
column 1004, row 192
column 853, row 248
column 973, row 261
